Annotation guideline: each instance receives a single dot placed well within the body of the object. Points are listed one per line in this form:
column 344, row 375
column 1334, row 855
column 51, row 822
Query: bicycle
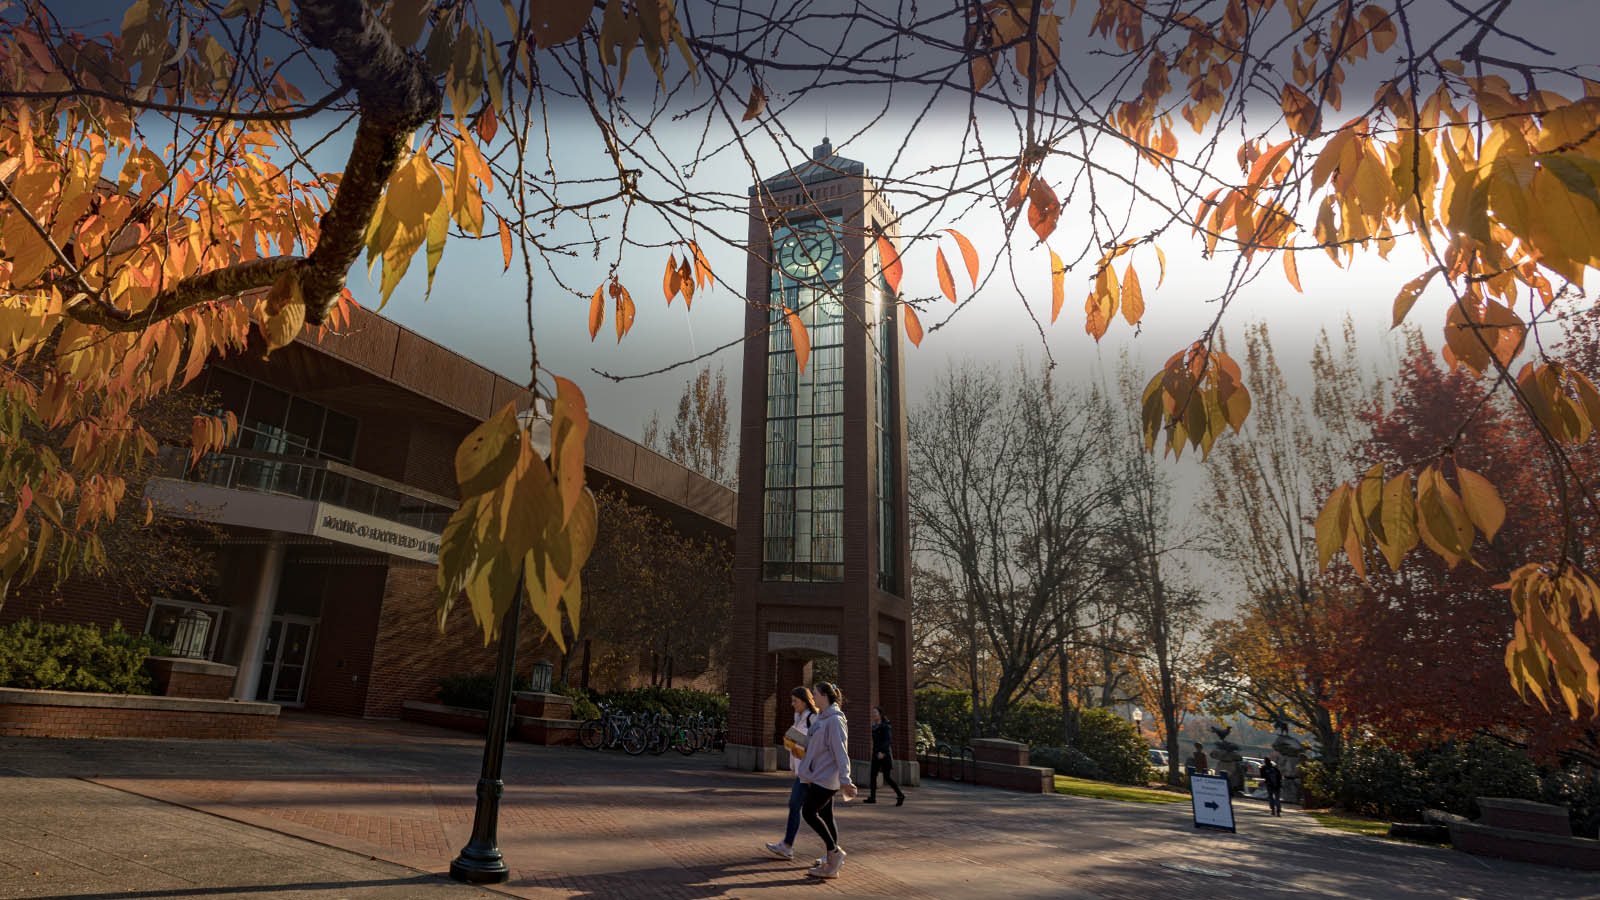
column 606, row 732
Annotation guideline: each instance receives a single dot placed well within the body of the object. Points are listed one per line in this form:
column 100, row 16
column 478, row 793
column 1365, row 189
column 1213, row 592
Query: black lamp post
column 480, row 861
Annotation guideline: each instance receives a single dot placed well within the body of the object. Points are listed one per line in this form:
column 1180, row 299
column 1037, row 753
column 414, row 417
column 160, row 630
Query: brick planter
column 459, row 718
column 177, row 676
column 69, row 714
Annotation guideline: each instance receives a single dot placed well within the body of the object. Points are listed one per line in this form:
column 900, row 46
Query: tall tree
column 1267, row 661
column 1006, row 495
column 698, row 438
column 155, row 187
column 1162, row 612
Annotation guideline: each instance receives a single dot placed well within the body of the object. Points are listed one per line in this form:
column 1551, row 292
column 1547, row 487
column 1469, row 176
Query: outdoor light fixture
column 481, row 861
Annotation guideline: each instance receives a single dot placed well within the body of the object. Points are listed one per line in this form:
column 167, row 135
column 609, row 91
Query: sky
column 478, row 310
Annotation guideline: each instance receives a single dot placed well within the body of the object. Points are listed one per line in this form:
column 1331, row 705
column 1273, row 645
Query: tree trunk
column 1069, row 711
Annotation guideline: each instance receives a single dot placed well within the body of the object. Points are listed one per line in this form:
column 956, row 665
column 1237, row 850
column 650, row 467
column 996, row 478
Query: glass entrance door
column 284, row 660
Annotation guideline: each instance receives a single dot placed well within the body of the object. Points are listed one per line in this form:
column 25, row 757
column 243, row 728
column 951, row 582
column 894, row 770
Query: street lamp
column 481, row 861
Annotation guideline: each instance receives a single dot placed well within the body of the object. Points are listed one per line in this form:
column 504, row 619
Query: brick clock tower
column 821, row 561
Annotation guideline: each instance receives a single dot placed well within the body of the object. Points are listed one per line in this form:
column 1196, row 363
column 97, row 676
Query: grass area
column 1353, row 824
column 1083, row 787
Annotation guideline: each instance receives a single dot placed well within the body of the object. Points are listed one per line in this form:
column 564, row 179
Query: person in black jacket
column 882, row 757
column 1272, row 780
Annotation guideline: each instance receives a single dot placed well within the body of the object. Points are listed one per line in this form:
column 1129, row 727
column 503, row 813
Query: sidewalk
column 346, row 808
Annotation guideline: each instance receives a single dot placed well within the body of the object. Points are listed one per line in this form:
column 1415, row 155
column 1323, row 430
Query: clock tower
column 821, row 561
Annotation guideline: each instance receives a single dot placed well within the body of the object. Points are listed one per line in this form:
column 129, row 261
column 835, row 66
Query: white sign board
column 350, row 527
column 789, row 640
column 1213, row 801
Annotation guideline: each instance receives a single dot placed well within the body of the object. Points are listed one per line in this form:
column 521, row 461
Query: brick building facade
column 332, row 500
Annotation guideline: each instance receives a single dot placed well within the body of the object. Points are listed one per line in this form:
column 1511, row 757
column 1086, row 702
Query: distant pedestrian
column 825, row 769
column 883, row 758
column 805, row 711
column 1198, row 761
column 1272, row 779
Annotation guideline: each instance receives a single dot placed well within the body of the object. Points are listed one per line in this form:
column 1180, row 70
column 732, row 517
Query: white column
column 266, row 597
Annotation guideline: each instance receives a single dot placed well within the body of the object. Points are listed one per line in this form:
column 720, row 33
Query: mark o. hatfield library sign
column 350, row 527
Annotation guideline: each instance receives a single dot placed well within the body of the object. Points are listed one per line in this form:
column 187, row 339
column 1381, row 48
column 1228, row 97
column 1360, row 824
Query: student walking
column 805, row 711
column 883, row 758
column 825, row 770
column 1272, row 779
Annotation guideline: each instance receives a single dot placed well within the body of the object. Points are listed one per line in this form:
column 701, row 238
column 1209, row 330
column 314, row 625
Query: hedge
column 1378, row 780
column 48, row 656
column 1106, row 745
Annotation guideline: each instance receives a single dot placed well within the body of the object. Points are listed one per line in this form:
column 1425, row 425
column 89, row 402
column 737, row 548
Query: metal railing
column 948, row 763
column 309, row 479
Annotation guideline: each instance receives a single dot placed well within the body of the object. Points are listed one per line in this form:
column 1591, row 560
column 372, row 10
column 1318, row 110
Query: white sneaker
column 823, row 860
column 780, row 850
column 830, row 868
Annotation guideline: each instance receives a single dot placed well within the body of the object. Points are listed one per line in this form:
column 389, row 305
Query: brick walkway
column 577, row 824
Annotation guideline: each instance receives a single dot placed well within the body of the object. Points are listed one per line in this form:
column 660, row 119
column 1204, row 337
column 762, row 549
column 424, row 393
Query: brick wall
column 17, row 720
column 78, row 601
column 410, row 652
column 431, row 458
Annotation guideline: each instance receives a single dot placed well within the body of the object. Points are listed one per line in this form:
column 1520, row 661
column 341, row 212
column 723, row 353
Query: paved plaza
column 337, row 808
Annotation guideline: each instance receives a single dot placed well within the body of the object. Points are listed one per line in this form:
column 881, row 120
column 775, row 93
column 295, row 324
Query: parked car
column 1252, row 767
column 1158, row 759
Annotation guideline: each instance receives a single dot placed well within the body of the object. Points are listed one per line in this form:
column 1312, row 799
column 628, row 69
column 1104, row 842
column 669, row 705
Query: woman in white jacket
column 805, row 710
column 825, row 771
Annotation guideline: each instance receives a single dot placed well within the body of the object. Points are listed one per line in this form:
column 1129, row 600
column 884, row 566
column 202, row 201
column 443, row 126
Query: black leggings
column 886, row 766
column 817, row 810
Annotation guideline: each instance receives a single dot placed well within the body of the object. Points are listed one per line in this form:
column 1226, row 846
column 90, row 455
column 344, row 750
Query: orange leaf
column 1044, row 210
column 802, row 343
column 1132, row 296
column 890, row 260
column 1299, row 111
column 913, row 325
column 505, row 243
column 670, row 282
column 625, row 308
column 947, row 282
column 702, row 268
column 1019, row 190
column 597, row 312
column 757, row 103
column 686, row 281
column 1291, row 270
column 1058, row 285
column 969, row 254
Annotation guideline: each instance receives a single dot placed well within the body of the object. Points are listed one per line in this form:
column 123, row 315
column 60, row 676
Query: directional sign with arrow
column 1212, row 801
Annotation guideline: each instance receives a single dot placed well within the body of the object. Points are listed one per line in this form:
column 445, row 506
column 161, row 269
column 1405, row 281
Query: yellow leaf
column 670, row 283
column 1332, row 524
column 1483, row 503
column 489, row 453
column 1291, row 271
column 1399, row 520
column 1408, row 295
column 285, row 311
column 505, row 243
column 1132, row 296
column 569, row 428
column 597, row 312
column 1058, row 288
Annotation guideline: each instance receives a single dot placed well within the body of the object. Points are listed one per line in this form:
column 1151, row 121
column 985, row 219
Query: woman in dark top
column 882, row 758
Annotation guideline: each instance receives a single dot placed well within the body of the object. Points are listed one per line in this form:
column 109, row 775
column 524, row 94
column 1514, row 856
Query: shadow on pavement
column 246, row 889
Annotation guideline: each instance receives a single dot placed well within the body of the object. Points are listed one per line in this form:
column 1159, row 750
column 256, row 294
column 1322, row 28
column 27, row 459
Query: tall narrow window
column 885, row 344
column 803, row 492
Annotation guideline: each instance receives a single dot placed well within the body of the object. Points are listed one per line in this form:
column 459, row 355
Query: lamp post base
column 480, row 866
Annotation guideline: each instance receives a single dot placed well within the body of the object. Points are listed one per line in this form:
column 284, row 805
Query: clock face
column 806, row 254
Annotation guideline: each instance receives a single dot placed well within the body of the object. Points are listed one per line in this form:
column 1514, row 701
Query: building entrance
column 284, row 660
